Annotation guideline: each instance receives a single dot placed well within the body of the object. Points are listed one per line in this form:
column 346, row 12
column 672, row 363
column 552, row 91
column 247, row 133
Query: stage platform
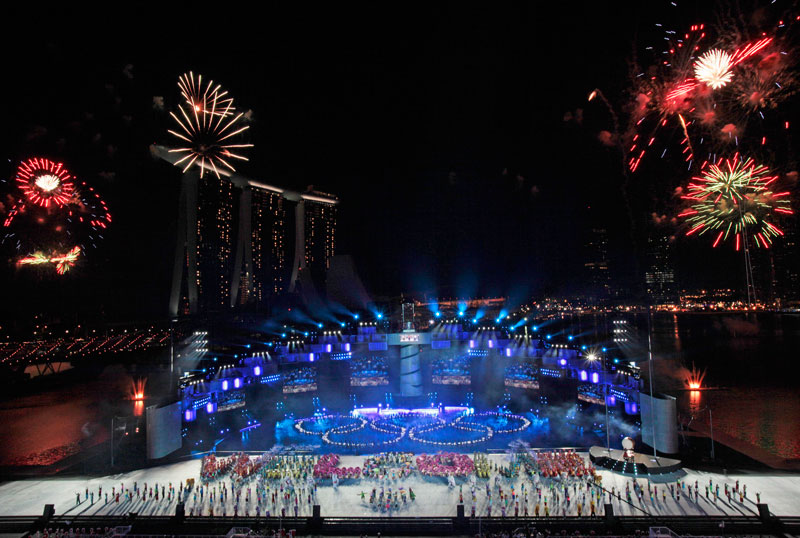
column 642, row 464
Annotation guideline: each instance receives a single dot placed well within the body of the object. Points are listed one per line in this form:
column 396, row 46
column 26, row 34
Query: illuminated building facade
column 660, row 273
column 786, row 265
column 260, row 264
column 596, row 264
column 234, row 242
column 320, row 237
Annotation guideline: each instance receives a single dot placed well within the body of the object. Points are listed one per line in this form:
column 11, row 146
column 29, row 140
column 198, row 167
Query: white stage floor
column 434, row 498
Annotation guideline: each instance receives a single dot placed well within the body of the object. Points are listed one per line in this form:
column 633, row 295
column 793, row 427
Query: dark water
column 46, row 427
column 754, row 357
column 765, row 417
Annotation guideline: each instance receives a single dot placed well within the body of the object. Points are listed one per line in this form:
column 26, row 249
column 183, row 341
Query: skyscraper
column 596, row 265
column 260, row 265
column 786, row 263
column 315, row 234
column 320, row 236
column 660, row 269
column 234, row 242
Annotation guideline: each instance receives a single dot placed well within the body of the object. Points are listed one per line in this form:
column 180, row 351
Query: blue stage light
column 570, row 337
column 355, row 316
column 535, row 328
column 319, row 325
column 461, row 314
column 583, row 348
column 380, row 316
column 549, row 336
column 438, row 314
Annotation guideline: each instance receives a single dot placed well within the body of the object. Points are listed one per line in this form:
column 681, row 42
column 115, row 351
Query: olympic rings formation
column 417, row 433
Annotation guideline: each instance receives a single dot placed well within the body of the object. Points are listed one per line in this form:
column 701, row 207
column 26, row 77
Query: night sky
column 458, row 139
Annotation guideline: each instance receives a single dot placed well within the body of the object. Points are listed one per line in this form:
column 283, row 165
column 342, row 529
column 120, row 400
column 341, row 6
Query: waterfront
column 46, row 426
column 749, row 355
column 752, row 357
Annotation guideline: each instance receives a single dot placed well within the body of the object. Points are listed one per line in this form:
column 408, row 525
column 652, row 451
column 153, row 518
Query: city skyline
column 455, row 167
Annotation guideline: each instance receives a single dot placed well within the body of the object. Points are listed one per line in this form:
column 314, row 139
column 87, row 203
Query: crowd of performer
column 526, row 483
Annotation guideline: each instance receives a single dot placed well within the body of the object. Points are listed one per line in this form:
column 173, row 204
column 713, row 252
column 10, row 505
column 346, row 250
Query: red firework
column 45, row 182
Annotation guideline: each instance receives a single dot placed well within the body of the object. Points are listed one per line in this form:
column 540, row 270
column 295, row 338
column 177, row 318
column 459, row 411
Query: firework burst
column 714, row 68
column 207, row 126
column 45, row 182
column 56, row 219
column 701, row 96
column 734, row 197
column 694, row 378
column 62, row 262
column 198, row 96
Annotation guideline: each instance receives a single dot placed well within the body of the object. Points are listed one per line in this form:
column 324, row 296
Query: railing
column 132, row 526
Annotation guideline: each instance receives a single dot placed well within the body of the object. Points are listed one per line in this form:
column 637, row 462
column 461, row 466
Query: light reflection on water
column 768, row 418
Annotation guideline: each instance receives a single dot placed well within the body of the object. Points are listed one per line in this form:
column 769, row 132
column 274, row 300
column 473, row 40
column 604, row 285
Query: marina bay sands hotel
column 241, row 242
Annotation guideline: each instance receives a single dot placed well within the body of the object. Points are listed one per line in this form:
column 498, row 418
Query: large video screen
column 451, row 370
column 300, row 380
column 369, row 372
column 521, row 375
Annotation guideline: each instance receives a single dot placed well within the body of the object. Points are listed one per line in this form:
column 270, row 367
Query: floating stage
column 638, row 464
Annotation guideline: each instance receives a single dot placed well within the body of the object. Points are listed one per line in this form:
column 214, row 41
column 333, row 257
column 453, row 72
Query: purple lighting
column 471, row 344
column 257, row 370
column 328, row 347
column 347, row 346
column 595, row 377
column 508, row 352
column 583, row 375
column 563, row 362
column 224, row 384
column 311, row 355
column 491, row 343
column 210, row 407
column 237, row 383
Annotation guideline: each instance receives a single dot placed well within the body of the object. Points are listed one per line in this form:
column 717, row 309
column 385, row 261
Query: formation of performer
column 521, row 484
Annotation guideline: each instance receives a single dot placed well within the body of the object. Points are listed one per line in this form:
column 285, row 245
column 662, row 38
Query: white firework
column 207, row 125
column 197, row 95
column 714, row 68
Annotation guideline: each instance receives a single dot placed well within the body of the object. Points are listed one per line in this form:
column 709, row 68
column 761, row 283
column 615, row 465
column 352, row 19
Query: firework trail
column 733, row 197
column 54, row 220
column 708, row 92
column 207, row 126
column 62, row 262
column 45, row 182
